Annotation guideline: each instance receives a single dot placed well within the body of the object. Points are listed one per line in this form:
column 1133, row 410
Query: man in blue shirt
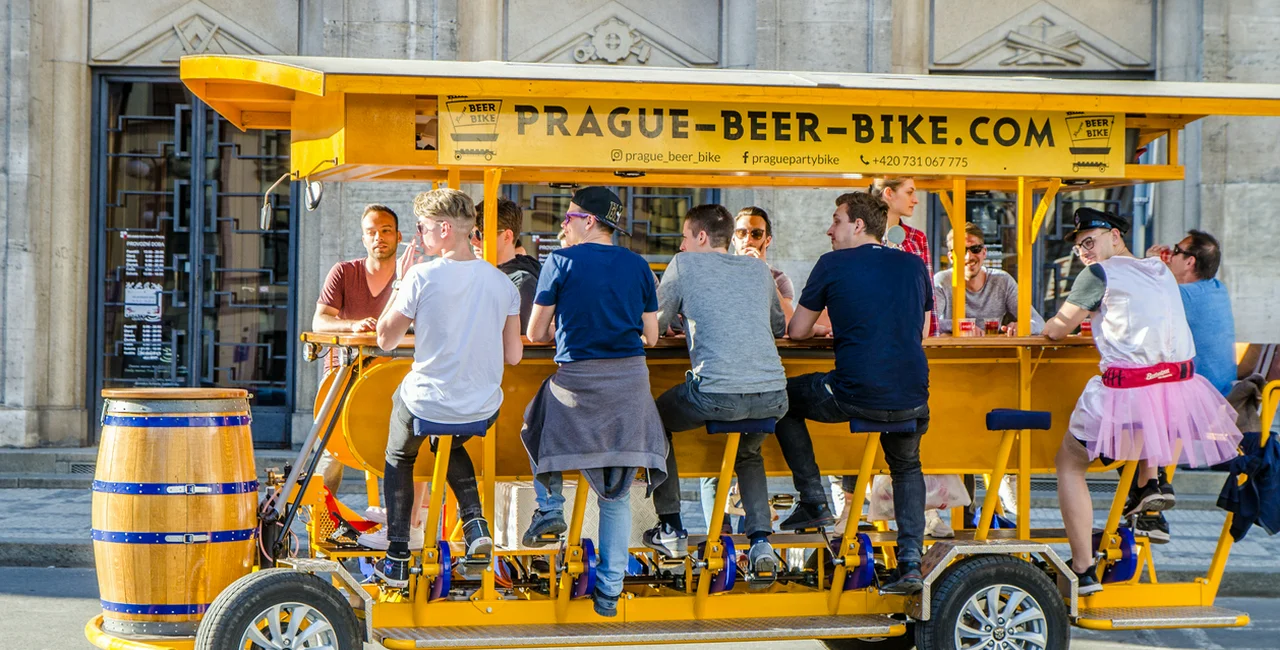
column 1194, row 262
column 596, row 414
column 879, row 301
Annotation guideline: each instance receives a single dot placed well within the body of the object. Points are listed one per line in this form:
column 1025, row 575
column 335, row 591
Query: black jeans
column 811, row 398
column 684, row 407
column 402, row 453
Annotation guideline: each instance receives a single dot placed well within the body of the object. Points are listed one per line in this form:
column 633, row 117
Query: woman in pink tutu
column 1148, row 404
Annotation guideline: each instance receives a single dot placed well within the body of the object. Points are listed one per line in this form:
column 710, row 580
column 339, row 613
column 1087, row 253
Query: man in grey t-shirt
column 990, row 294
column 729, row 303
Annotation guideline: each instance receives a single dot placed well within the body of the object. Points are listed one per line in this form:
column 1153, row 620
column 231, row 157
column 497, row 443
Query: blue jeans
column 549, row 498
column 811, row 398
column 615, row 535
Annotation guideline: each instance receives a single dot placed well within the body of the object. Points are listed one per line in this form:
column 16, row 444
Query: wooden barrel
column 174, row 505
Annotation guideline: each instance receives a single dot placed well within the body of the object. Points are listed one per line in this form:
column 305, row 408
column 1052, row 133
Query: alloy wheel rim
column 288, row 626
column 1002, row 617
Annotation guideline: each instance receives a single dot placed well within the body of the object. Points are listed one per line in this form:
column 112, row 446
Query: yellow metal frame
column 341, row 122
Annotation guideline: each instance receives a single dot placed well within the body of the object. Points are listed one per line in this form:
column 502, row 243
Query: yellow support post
column 454, row 178
column 956, row 211
column 572, row 550
column 848, row 542
column 1023, row 228
column 489, row 495
column 492, row 187
column 713, row 555
column 992, row 498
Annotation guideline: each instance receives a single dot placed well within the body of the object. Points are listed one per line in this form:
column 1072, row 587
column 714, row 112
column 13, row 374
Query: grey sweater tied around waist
column 597, row 416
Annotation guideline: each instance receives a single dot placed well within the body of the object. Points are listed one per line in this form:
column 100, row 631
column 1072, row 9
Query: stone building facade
column 71, row 68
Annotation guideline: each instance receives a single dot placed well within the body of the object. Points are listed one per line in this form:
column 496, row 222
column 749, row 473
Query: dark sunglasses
column 976, row 248
column 1179, row 251
column 477, row 234
column 756, row 233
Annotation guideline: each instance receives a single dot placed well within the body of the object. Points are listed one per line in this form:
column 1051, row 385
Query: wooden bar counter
column 968, row 377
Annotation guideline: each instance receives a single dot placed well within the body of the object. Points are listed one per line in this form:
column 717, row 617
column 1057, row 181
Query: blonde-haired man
column 466, row 318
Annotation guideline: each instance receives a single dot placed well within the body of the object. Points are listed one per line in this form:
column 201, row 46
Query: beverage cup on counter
column 968, row 327
column 1086, row 327
column 992, row 327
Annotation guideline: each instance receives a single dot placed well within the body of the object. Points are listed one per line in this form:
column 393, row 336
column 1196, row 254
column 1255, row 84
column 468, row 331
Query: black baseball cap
column 1089, row 219
column 604, row 204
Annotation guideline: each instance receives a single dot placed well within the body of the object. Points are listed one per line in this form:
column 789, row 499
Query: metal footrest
column 585, row 634
column 1136, row 618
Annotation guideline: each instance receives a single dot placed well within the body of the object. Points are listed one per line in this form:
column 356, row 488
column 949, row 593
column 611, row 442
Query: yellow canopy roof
column 351, row 117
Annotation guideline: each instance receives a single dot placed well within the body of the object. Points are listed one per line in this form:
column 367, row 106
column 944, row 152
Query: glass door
column 189, row 291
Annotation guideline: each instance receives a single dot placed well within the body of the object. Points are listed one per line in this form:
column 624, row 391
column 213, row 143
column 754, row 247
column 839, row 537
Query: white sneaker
column 378, row 540
column 376, row 515
column 379, row 515
column 935, row 527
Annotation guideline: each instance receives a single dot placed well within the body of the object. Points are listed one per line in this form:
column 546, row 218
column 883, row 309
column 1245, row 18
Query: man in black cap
column 599, row 303
column 1148, row 404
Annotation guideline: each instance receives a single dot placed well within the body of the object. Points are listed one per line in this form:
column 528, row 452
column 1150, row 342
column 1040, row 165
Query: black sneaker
column 1146, row 498
column 545, row 528
column 1166, row 491
column 1087, row 582
column 1153, row 526
column 606, row 606
column 479, row 541
column 667, row 540
column 910, row 580
column 808, row 515
column 393, row 571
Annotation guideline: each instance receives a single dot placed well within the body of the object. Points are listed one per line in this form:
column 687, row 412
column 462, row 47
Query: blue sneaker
column 393, row 571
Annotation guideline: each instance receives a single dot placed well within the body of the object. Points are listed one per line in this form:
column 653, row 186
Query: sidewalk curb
column 75, row 554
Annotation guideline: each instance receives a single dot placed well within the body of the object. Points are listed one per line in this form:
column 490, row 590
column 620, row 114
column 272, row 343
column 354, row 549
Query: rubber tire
column 965, row 578
column 228, row 616
column 905, row 642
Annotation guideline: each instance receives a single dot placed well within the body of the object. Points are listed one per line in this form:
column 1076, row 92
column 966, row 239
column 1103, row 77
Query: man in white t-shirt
column 466, row 318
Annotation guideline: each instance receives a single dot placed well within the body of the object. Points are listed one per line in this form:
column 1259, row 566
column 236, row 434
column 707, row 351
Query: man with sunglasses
column 1148, row 404
column 752, row 236
column 596, row 415
column 1194, row 262
column 990, row 294
column 522, row 269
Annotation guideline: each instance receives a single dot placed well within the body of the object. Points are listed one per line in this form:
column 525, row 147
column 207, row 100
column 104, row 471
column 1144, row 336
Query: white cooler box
column 514, row 506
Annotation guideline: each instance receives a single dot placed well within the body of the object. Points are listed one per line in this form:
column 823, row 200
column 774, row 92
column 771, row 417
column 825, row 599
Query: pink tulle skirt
column 1185, row 422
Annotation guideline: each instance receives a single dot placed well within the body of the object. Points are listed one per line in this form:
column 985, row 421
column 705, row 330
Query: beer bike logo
column 1090, row 140
column 474, row 126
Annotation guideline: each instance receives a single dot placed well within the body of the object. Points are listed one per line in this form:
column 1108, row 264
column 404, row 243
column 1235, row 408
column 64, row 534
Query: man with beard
column 990, row 294
column 354, row 295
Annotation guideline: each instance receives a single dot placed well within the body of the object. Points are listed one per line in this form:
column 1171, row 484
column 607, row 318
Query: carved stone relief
column 1041, row 37
column 194, row 28
column 614, row 34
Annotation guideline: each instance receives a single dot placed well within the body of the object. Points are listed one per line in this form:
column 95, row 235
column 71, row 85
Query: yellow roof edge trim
column 210, row 67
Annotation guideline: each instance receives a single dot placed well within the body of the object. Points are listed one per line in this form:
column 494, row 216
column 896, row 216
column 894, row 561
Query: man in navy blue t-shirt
column 596, row 413
column 879, row 301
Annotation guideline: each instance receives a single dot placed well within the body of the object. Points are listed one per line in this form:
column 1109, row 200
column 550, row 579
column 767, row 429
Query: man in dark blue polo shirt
column 879, row 301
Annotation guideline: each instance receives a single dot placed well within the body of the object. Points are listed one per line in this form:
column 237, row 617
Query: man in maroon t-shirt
column 354, row 296
column 356, row 291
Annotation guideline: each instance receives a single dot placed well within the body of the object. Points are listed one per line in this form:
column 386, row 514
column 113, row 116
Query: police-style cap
column 604, row 204
column 1089, row 219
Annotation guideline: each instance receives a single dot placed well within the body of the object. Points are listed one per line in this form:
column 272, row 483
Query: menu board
column 142, row 336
